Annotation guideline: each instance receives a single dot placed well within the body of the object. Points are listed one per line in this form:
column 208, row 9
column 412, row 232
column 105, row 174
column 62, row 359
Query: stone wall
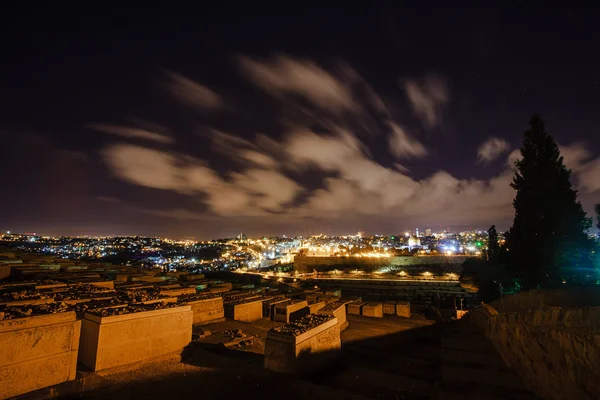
column 36, row 352
column 130, row 338
column 555, row 350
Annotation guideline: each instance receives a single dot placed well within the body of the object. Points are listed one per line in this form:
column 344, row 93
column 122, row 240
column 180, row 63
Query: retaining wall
column 555, row 350
column 36, row 352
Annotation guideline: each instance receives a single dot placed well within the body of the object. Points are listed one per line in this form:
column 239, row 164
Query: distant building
column 428, row 232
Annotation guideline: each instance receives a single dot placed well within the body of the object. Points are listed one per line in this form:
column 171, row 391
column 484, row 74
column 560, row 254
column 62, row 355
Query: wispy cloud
column 402, row 145
column 192, row 93
column 427, row 97
column 133, row 133
column 286, row 75
column 491, row 149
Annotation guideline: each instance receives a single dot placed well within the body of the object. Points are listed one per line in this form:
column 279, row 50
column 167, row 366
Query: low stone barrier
column 372, row 310
column 305, row 346
column 556, row 351
column 136, row 337
column 246, row 310
column 38, row 351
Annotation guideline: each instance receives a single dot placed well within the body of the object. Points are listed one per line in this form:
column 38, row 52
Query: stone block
column 389, row 307
column 355, row 308
column 403, row 309
column 288, row 312
column 207, row 310
column 372, row 310
column 246, row 310
column 36, row 352
column 118, row 340
column 303, row 354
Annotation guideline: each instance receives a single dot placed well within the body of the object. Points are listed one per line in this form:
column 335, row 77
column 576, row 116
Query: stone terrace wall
column 555, row 350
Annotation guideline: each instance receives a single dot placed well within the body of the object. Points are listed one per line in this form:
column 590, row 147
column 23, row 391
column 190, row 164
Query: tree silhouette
column 493, row 245
column 548, row 235
column 597, row 209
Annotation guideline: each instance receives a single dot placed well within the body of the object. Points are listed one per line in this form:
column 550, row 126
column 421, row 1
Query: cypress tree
column 548, row 237
column 493, row 245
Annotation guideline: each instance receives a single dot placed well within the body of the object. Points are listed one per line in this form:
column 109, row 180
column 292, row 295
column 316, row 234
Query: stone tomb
column 246, row 310
column 314, row 307
column 403, row 309
column 178, row 291
column 355, row 307
column 389, row 307
column 290, row 311
column 132, row 338
column 303, row 353
column 207, row 310
column 269, row 307
column 38, row 351
column 337, row 310
column 372, row 310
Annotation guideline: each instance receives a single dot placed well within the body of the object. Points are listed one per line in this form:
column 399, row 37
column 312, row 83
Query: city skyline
column 373, row 121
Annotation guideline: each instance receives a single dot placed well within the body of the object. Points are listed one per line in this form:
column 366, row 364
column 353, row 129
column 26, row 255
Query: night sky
column 333, row 120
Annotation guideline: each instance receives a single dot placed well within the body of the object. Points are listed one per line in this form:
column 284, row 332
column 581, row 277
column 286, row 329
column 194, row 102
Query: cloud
column 320, row 166
column 403, row 145
column 285, row 75
column 192, row 93
column 491, row 149
column 427, row 98
column 133, row 133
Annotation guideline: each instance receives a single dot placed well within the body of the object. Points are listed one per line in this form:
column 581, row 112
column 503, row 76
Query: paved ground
column 382, row 358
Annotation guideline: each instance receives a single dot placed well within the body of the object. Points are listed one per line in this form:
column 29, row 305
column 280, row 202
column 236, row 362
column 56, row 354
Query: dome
column 414, row 241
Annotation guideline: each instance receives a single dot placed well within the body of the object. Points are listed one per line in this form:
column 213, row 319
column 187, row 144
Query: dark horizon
column 380, row 119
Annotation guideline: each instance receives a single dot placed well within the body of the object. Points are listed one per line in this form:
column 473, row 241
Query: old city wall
column 305, row 264
column 556, row 350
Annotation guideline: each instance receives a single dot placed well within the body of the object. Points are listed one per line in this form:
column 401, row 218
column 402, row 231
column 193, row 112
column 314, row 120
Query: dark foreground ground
column 382, row 358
